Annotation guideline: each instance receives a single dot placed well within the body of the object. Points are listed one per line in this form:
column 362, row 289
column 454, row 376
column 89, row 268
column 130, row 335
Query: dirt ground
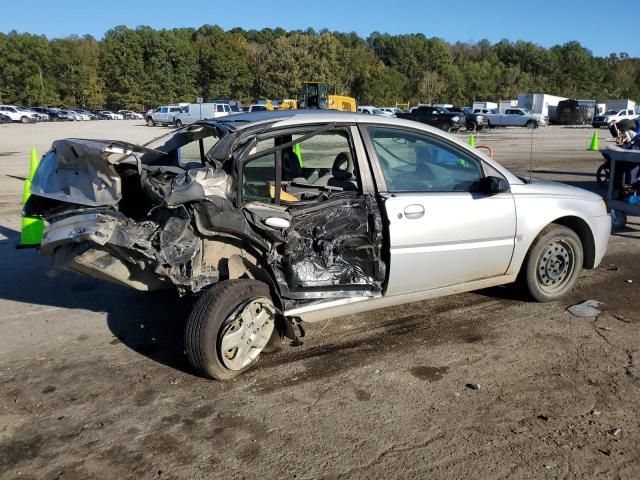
column 94, row 382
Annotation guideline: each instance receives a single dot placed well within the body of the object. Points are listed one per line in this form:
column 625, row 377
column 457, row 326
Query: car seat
column 341, row 173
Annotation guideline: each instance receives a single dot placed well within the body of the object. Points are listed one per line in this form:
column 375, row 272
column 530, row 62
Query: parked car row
column 16, row 113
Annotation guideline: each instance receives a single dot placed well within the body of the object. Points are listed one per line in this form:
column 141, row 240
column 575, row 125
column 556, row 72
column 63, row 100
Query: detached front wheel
column 553, row 264
column 229, row 327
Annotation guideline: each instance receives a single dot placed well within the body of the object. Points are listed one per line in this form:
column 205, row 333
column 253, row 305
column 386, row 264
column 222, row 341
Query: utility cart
column 619, row 207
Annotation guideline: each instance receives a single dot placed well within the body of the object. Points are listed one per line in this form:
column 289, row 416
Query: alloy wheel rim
column 246, row 332
column 556, row 265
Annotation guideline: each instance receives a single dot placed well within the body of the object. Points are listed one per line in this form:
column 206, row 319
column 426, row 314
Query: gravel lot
column 94, row 383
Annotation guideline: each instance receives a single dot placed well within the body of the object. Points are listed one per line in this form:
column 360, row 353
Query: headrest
column 342, row 166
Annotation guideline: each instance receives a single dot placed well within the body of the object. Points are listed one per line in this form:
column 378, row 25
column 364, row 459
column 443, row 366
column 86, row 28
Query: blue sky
column 544, row 22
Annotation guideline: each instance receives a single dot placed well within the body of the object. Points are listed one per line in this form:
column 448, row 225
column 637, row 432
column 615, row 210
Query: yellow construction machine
column 316, row 95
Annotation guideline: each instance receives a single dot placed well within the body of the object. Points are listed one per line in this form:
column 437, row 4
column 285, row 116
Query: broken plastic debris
column 588, row 308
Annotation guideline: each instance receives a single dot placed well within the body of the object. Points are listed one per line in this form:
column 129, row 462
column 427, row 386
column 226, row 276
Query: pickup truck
column 474, row 122
column 164, row 115
column 611, row 116
column 438, row 117
column 513, row 117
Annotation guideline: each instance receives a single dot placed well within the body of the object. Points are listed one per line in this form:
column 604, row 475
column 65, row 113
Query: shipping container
column 621, row 104
column 540, row 103
column 489, row 105
column 504, row 104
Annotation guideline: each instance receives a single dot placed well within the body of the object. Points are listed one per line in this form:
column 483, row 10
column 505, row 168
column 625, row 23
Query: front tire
column 532, row 124
column 229, row 326
column 472, row 126
column 178, row 123
column 150, row 122
column 446, row 127
column 553, row 264
column 24, row 119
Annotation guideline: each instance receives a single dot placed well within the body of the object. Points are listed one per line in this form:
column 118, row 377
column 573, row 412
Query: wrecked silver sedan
column 280, row 218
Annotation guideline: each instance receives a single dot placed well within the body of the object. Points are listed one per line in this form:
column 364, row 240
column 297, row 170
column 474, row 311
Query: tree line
column 144, row 67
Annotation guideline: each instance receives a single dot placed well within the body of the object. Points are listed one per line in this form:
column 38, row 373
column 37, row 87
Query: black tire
column 445, row 127
column 472, row 126
column 178, row 123
column 553, row 264
column 208, row 321
column 532, row 124
column 24, row 119
column 602, row 174
column 150, row 122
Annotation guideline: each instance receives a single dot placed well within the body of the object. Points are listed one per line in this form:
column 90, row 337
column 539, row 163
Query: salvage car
column 275, row 219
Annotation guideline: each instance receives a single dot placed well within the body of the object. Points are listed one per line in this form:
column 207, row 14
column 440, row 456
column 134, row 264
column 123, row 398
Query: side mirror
column 493, row 185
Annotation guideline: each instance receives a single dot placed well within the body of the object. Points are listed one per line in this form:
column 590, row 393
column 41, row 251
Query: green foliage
column 142, row 68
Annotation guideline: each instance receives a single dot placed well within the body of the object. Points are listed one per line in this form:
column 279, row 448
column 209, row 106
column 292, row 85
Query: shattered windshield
column 181, row 147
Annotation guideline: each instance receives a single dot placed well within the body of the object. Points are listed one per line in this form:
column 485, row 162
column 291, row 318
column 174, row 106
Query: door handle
column 413, row 211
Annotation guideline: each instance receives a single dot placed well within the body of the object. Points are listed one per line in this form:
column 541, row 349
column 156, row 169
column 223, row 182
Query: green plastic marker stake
column 32, row 228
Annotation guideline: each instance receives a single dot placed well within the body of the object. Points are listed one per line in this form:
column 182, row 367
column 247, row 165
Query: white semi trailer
column 540, row 103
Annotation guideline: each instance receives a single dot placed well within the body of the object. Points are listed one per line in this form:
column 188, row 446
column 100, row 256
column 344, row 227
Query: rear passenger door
column 334, row 238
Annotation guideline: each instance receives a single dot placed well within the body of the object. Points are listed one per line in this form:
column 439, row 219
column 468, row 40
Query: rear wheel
column 229, row 326
column 553, row 264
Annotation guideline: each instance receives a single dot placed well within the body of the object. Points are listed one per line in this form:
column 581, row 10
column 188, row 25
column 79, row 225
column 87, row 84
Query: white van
column 201, row 111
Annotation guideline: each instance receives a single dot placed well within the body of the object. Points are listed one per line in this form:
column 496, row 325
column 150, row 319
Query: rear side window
column 259, row 178
column 321, row 163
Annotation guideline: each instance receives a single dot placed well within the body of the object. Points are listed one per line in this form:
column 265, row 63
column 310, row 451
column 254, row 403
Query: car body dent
column 335, row 257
